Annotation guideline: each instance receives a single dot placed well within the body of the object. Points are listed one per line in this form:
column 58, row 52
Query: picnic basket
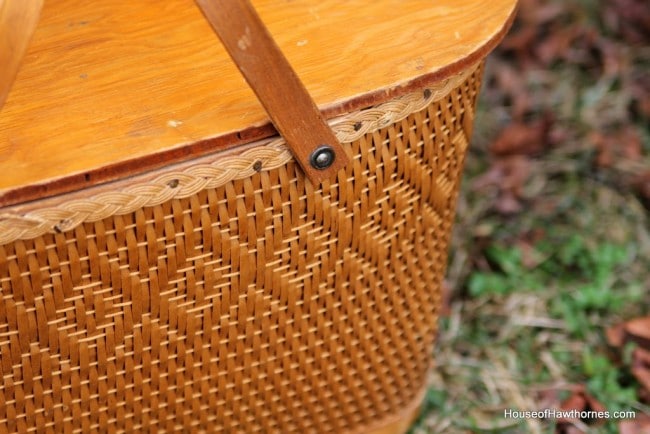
column 165, row 262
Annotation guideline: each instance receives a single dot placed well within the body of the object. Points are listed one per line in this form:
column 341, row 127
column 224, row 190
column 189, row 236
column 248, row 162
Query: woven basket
column 232, row 296
column 229, row 294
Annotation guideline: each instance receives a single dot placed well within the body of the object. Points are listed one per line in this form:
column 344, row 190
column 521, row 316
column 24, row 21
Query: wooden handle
column 18, row 19
column 277, row 86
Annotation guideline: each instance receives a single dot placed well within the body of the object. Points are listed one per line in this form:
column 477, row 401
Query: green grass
column 525, row 324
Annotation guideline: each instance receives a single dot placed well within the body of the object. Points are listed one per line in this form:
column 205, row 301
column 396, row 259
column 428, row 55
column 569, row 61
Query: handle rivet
column 322, row 157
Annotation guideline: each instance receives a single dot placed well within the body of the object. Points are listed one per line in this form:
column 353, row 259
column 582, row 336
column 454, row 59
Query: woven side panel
column 261, row 306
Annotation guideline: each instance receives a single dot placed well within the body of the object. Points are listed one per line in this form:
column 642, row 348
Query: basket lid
column 109, row 89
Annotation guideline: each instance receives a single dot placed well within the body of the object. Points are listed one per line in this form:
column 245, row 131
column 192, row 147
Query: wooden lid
column 109, row 89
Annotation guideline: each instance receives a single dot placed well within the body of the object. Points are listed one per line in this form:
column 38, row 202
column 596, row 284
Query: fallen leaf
column 638, row 330
column 558, row 135
column 556, row 45
column 508, row 175
column 581, row 400
column 535, row 12
column 640, row 425
column 585, row 51
column 644, row 396
column 530, row 256
column 623, row 144
column 615, row 335
column 629, row 18
column 548, row 398
column 508, row 204
column 568, row 428
column 520, row 40
column 612, row 58
column 593, row 404
column 630, row 141
column 586, row 47
column 546, row 206
column 576, row 401
column 641, row 367
column 511, row 86
column 604, row 155
column 523, row 138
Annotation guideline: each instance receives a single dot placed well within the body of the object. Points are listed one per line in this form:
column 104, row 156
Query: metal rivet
column 322, row 158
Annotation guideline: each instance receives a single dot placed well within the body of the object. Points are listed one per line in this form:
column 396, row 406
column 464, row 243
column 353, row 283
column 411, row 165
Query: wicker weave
column 263, row 305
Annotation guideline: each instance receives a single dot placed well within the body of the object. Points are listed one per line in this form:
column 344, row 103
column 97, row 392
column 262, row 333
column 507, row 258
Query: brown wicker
column 259, row 305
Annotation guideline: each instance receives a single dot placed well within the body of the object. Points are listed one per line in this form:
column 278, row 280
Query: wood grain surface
column 18, row 21
column 108, row 89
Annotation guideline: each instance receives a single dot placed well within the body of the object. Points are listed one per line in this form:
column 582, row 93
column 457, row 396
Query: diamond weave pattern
column 263, row 306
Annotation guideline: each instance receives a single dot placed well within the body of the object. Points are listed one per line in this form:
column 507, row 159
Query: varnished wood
column 276, row 85
column 18, row 21
column 113, row 88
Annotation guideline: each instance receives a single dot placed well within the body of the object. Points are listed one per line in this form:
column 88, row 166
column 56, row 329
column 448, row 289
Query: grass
column 528, row 318
column 533, row 291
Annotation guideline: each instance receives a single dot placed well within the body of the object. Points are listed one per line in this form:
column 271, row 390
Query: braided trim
column 193, row 179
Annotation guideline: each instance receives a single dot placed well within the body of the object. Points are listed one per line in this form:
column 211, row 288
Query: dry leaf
column 576, row 401
column 630, row 141
column 640, row 425
column 568, row 428
column 508, row 175
column 638, row 330
column 520, row 40
column 536, row 12
column 593, row 404
column 615, row 335
column 530, row 256
column 641, row 367
column 510, row 83
column 644, row 396
column 508, row 204
column 623, row 144
column 612, row 58
column 523, row 138
column 605, row 156
column 555, row 46
column 630, row 18
column 548, row 398
column 580, row 400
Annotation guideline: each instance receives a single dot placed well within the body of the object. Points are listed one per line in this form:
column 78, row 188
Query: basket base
column 400, row 423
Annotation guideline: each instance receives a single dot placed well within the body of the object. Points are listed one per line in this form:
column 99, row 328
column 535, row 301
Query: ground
column 548, row 283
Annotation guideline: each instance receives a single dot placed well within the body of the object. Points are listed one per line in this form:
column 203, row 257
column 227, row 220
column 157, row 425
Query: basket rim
column 67, row 211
